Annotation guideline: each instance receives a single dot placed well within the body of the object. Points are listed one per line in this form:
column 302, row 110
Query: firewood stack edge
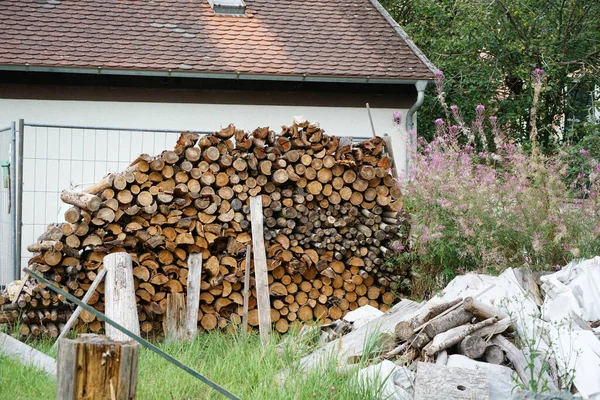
column 331, row 210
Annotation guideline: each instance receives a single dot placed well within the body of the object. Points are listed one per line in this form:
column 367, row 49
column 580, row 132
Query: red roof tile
column 330, row 38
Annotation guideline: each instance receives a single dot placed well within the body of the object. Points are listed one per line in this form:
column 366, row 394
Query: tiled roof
column 329, row 38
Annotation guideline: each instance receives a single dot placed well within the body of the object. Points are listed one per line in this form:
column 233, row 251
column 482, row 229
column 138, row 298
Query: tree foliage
column 488, row 48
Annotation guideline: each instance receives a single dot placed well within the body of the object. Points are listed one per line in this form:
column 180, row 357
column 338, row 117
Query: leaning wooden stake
column 260, row 270
column 119, row 294
column 95, row 367
column 85, row 300
column 193, row 293
column 246, row 289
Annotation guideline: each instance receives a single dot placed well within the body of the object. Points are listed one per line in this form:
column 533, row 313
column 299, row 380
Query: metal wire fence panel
column 71, row 157
column 6, row 206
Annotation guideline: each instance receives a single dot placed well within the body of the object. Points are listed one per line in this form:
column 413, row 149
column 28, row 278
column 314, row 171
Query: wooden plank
column 20, row 288
column 119, row 296
column 246, row 289
column 85, row 300
column 260, row 270
column 440, row 382
column 26, row 355
column 175, row 318
column 194, row 281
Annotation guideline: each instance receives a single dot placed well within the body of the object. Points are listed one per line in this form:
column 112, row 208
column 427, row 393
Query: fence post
column 15, row 258
column 119, row 296
column 174, row 322
column 194, row 281
column 95, row 367
column 19, row 198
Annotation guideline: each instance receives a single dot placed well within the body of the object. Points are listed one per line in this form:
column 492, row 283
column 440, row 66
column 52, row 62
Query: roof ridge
column 403, row 35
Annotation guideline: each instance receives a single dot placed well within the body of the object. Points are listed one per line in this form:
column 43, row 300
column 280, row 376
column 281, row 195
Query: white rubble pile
column 559, row 331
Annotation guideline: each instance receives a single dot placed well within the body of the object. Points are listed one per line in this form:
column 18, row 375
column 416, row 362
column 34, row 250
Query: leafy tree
column 488, row 48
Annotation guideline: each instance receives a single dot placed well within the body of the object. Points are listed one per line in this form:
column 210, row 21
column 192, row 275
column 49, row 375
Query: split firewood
column 330, row 217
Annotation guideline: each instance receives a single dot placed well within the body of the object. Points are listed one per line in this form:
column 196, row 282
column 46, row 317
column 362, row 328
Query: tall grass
column 234, row 361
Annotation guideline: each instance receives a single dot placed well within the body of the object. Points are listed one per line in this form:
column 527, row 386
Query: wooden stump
column 95, row 367
column 120, row 296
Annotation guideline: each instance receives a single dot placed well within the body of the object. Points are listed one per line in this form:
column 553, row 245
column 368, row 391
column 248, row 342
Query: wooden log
column 406, row 329
column 194, row 281
column 453, row 336
column 494, row 329
column 483, row 310
column 119, row 296
column 472, row 346
column 260, row 269
column 82, row 200
column 95, row 367
column 455, row 318
column 174, row 323
column 494, row 355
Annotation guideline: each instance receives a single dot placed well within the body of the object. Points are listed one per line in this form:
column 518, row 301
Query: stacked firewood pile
column 331, row 211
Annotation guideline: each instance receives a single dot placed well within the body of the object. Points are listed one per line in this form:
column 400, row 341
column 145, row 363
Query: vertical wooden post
column 95, row 367
column 174, row 322
column 194, row 281
column 85, row 300
column 388, row 146
column 246, row 289
column 260, row 269
column 119, row 296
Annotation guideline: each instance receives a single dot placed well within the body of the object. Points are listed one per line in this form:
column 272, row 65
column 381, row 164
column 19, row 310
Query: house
column 70, row 69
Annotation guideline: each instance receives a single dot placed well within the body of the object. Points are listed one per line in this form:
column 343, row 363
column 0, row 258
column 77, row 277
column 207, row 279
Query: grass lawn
column 236, row 362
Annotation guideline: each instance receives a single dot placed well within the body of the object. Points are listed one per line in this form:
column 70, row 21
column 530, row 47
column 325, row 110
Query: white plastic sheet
column 391, row 381
column 575, row 290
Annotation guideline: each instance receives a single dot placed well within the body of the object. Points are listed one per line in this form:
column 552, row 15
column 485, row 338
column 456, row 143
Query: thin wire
column 132, row 335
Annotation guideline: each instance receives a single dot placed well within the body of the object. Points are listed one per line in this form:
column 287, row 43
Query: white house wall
column 55, row 159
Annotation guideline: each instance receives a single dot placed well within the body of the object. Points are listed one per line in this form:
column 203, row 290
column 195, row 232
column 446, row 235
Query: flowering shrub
column 478, row 206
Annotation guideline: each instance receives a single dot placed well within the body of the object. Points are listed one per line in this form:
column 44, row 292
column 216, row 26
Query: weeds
column 479, row 202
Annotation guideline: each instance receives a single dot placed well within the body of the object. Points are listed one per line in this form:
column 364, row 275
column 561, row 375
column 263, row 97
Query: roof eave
column 404, row 36
column 210, row 75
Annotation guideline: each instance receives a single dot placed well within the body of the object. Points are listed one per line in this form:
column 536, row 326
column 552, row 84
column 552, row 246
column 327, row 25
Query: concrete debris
column 390, row 380
column 441, row 382
column 27, row 355
column 501, row 380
